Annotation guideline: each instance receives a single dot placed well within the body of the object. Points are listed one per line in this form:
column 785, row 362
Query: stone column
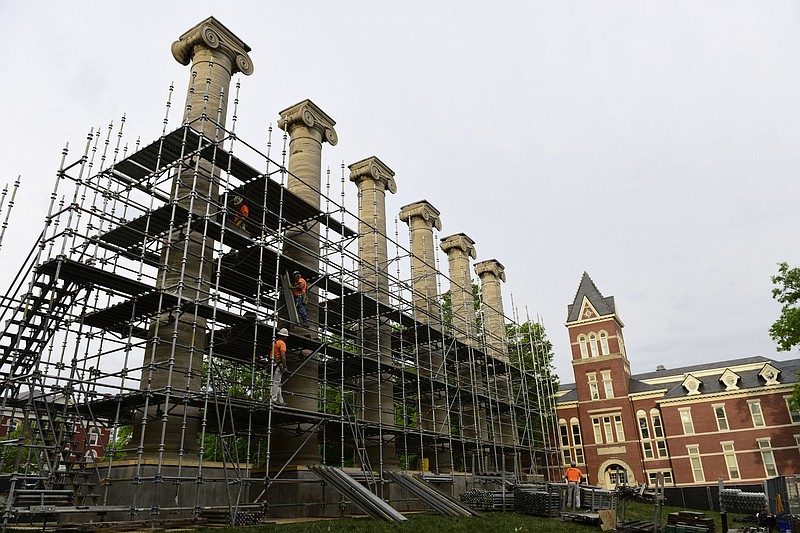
column 459, row 249
column 492, row 272
column 178, row 346
column 308, row 127
column 421, row 218
column 373, row 179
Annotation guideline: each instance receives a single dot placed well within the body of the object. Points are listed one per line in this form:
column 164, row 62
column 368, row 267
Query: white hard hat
column 237, row 200
column 283, row 332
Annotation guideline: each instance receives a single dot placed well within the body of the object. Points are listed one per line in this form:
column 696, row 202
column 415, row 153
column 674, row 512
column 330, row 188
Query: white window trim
column 604, row 343
column 583, row 346
column 690, row 421
column 693, row 450
column 730, row 454
column 767, row 451
column 725, row 416
column 757, row 404
column 593, row 345
column 789, row 408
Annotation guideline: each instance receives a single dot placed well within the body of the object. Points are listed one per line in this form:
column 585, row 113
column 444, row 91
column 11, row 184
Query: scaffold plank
column 160, row 154
column 154, row 303
column 81, row 273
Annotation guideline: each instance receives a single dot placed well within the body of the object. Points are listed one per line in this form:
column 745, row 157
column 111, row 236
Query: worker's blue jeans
column 301, row 309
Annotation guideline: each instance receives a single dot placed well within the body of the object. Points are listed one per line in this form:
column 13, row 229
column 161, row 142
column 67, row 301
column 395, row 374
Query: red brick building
column 728, row 419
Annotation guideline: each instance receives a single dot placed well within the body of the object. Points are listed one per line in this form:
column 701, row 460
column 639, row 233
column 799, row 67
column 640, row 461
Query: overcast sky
column 655, row 145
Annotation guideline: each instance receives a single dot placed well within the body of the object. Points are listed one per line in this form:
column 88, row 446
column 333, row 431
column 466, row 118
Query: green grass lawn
column 494, row 522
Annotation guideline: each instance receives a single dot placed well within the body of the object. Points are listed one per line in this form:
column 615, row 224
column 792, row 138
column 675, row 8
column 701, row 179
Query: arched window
column 584, row 351
column 91, row 456
column 576, row 431
column 603, row 343
column 593, row 344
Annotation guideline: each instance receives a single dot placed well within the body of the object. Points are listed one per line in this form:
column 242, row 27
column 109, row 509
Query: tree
column 786, row 330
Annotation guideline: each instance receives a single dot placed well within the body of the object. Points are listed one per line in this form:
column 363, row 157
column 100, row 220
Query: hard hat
column 572, row 463
column 295, row 273
column 283, row 332
column 237, row 200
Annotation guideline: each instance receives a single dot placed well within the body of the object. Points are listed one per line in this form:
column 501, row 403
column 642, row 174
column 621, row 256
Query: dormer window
column 692, row 385
column 730, row 379
column 769, row 374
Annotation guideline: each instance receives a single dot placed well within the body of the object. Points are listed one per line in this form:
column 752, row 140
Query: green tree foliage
column 786, row 330
column 531, row 351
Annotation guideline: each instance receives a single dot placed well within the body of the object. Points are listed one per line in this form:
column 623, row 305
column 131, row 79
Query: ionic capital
column 459, row 241
column 307, row 114
column 213, row 35
column 374, row 169
column 423, row 210
column 491, row 267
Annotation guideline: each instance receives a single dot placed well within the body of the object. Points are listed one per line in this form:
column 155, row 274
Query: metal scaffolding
column 145, row 314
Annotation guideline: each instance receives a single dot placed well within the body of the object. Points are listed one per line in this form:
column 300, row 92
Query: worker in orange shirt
column 573, row 475
column 299, row 292
column 242, row 212
column 277, row 362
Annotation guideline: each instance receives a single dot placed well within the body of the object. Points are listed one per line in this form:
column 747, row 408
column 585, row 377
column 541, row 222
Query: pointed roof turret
column 600, row 305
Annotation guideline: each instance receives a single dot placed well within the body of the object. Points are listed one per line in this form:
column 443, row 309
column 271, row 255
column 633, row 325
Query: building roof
column 603, row 305
column 711, row 384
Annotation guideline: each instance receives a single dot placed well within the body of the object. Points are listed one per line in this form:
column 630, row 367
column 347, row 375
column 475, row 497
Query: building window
column 592, row 377
column 567, row 456
column 593, row 344
column 579, row 456
column 644, row 429
column 94, row 437
column 765, row 447
column 730, row 460
column 562, row 424
column 584, row 349
column 598, row 433
column 91, row 456
column 619, row 428
column 662, row 448
column 797, row 440
column 668, row 478
column 608, row 386
column 648, row 450
column 686, row 420
column 794, row 414
column 697, row 464
column 658, row 429
column 576, row 432
column 608, row 429
column 756, row 413
column 603, row 343
column 722, row 419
